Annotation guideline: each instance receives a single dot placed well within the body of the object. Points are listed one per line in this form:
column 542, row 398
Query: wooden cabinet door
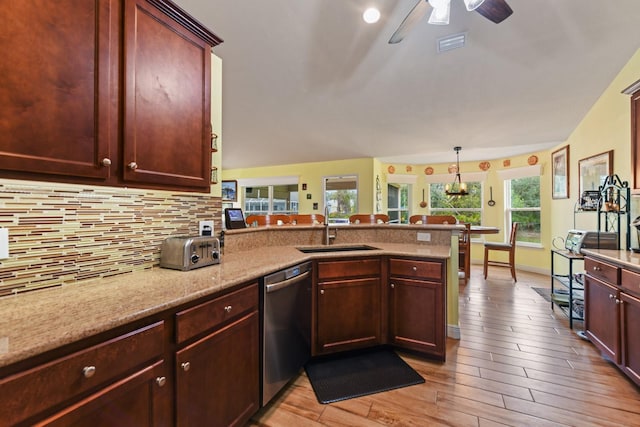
column 217, row 377
column 630, row 321
column 602, row 317
column 167, row 93
column 58, row 91
column 417, row 316
column 142, row 399
column 348, row 314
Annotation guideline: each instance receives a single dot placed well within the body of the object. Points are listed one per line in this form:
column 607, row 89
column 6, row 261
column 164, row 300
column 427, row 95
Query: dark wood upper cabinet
column 635, row 140
column 167, row 94
column 58, row 92
column 111, row 92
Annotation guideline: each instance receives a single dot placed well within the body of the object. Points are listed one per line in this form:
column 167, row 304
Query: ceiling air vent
column 451, row 42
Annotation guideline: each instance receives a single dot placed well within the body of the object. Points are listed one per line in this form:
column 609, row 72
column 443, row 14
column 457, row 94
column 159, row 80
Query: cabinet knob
column 618, row 302
column 89, row 371
column 321, row 291
column 161, row 381
column 393, row 285
column 414, row 268
column 106, row 162
column 228, row 309
column 133, row 166
column 185, row 366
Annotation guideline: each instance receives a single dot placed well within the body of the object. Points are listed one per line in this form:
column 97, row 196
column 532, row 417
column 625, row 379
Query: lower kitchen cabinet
column 417, row 306
column 630, row 333
column 217, row 376
column 121, row 381
column 612, row 313
column 347, row 305
column 139, row 400
column 602, row 317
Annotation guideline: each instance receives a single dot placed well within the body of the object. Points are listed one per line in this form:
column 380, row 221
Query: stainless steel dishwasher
column 286, row 327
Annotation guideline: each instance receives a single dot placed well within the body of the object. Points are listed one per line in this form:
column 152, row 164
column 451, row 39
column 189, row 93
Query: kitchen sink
column 324, row 249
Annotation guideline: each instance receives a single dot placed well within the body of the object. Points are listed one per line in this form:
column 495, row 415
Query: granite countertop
column 36, row 322
column 626, row 258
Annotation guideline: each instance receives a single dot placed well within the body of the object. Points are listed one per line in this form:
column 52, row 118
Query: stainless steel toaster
column 189, row 252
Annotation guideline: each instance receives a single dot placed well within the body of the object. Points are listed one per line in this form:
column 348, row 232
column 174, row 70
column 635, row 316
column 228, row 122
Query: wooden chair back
column 267, row 219
column 368, row 219
column 464, row 253
column 307, row 219
column 432, row 219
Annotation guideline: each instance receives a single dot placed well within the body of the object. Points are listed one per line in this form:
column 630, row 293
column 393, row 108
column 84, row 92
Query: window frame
column 509, row 175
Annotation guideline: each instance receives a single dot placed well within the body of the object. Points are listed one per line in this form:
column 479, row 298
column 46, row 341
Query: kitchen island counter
column 36, row 322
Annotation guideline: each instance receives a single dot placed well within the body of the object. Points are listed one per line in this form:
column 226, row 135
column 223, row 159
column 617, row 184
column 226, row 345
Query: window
column 398, row 203
column 340, row 197
column 523, row 206
column 270, row 199
column 465, row 208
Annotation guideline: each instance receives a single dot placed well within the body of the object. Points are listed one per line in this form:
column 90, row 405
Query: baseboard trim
column 453, row 331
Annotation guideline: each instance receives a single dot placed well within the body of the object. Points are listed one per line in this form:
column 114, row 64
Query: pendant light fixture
column 457, row 187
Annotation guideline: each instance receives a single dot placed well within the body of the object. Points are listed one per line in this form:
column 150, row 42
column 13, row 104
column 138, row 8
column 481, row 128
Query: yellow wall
column 607, row 126
column 312, row 175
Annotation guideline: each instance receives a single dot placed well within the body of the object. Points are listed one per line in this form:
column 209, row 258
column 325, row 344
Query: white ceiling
column 308, row 80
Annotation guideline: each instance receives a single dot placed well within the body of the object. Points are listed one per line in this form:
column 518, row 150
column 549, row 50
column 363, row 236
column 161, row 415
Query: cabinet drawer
column 603, row 271
column 211, row 314
column 630, row 281
column 29, row 393
column 350, row 268
column 425, row 270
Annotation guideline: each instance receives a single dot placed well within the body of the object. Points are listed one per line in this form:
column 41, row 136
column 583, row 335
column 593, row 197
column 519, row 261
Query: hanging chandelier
column 457, row 187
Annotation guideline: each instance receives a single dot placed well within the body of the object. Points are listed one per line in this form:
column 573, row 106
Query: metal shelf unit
column 566, row 292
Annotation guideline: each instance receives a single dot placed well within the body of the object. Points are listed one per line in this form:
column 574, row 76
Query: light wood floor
column 517, row 364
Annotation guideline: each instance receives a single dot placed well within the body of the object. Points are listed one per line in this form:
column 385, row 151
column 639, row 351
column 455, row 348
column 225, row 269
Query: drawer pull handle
column 161, row 381
column 393, row 285
column 596, row 268
column 89, row 371
column 415, row 268
column 611, row 296
column 618, row 302
column 228, row 309
column 185, row 366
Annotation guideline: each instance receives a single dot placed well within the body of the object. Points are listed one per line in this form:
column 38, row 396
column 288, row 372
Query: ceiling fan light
column 440, row 13
column 472, row 4
column 371, row 15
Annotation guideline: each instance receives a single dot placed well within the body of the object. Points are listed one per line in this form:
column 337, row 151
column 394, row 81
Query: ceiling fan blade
column 495, row 10
column 417, row 13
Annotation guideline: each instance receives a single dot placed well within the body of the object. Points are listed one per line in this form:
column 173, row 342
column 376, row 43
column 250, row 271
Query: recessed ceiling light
column 371, row 15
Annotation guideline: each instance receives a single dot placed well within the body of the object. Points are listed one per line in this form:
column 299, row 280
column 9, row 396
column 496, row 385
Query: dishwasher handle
column 286, row 283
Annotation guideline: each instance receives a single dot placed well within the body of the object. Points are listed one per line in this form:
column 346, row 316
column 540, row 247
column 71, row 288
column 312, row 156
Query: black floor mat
column 359, row 374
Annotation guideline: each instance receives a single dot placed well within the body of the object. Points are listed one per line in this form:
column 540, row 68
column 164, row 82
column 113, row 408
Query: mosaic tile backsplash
column 61, row 233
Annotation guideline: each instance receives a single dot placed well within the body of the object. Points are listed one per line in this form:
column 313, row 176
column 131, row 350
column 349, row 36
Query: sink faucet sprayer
column 328, row 237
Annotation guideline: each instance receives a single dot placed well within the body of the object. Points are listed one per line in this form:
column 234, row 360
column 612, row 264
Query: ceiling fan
column 494, row 10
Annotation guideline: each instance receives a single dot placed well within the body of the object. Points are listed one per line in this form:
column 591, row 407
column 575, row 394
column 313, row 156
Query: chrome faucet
column 328, row 238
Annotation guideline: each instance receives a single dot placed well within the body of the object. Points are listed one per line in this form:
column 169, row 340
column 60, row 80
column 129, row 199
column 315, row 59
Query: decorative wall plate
column 409, row 168
column 532, row 160
column 484, row 166
column 428, row 170
column 391, row 169
column 506, row 163
column 453, row 169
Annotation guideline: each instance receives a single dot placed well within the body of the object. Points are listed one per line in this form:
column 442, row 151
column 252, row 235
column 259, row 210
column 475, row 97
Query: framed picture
column 594, row 170
column 560, row 173
column 230, row 191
